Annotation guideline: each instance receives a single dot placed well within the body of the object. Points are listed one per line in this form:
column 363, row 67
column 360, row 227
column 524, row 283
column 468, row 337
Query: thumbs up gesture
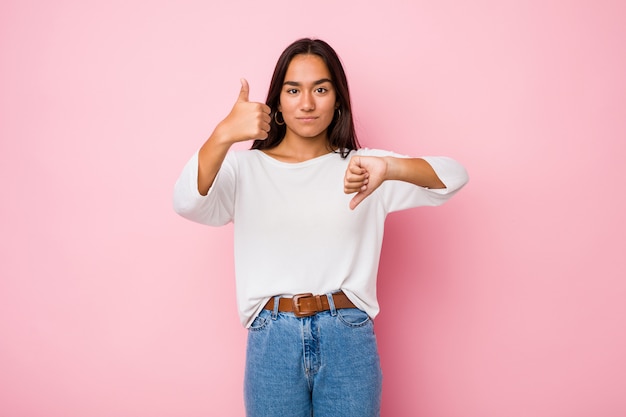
column 247, row 120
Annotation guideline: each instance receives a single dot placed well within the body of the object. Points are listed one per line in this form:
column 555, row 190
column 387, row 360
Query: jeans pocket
column 260, row 322
column 353, row 317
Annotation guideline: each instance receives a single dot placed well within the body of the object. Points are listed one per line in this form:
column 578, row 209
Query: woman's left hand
column 363, row 176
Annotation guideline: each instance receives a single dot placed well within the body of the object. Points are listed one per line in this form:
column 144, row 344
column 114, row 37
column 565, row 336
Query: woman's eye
column 292, row 91
column 321, row 90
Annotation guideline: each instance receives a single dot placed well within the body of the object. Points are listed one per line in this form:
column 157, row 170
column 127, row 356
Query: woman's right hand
column 246, row 121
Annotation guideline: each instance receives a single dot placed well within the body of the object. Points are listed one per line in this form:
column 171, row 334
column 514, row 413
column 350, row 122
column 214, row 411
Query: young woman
column 308, row 208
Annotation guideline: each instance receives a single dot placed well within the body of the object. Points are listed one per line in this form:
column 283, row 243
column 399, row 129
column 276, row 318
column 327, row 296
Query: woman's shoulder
column 244, row 155
column 376, row 152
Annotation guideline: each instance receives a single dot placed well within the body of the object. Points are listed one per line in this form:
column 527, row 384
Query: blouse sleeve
column 217, row 207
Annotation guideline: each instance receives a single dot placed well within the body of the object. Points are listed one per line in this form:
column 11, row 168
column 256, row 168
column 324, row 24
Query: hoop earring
column 276, row 120
column 338, row 113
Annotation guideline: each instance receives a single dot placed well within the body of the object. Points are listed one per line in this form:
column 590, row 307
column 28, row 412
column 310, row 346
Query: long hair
column 341, row 133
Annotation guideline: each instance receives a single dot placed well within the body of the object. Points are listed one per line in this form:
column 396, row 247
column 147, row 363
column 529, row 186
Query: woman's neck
column 294, row 150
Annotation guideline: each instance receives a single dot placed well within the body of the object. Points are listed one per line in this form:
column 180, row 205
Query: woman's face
column 307, row 98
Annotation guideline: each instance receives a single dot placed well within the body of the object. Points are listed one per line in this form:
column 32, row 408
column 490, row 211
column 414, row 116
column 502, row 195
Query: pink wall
column 508, row 301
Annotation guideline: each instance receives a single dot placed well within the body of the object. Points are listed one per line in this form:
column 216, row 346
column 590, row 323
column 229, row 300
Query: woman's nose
column 308, row 103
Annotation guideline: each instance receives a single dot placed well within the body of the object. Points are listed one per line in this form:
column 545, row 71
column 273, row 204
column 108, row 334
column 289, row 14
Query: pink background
column 508, row 301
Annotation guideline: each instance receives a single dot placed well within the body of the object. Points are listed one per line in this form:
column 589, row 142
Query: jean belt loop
column 275, row 310
column 331, row 304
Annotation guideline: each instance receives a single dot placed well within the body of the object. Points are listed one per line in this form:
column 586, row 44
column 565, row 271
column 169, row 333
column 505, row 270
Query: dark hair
column 341, row 133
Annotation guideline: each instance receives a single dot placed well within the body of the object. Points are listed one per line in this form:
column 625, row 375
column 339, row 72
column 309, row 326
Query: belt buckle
column 295, row 301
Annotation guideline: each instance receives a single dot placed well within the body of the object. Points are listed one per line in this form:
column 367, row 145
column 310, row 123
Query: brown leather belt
column 303, row 305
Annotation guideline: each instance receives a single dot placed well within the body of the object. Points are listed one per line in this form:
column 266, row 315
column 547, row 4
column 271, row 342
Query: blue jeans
column 326, row 365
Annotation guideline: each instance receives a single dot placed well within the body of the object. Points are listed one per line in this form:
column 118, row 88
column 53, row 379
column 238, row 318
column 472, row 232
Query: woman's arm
column 366, row 173
column 246, row 121
column 414, row 170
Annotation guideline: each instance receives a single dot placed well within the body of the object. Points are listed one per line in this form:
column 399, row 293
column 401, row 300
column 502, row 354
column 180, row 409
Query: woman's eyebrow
column 297, row 84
